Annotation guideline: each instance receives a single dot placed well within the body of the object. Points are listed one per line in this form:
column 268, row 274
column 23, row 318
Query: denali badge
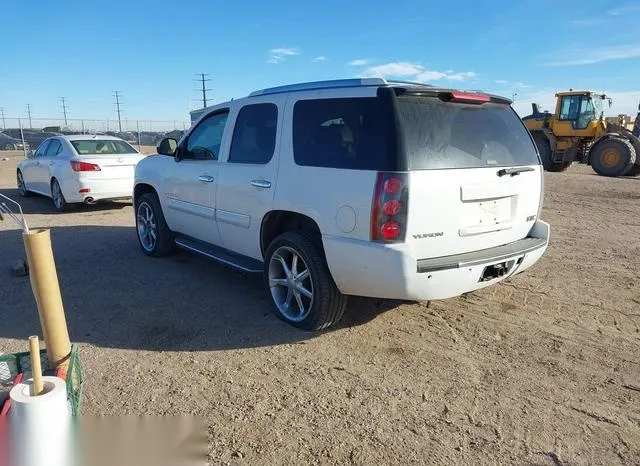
column 428, row 235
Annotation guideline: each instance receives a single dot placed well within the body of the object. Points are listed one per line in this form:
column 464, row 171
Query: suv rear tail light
column 84, row 167
column 389, row 208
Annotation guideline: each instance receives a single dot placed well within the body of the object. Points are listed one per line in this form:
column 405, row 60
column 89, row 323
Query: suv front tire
column 297, row 279
column 153, row 234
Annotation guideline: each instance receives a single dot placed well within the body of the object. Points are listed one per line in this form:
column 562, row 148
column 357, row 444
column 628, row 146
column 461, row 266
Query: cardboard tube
column 36, row 367
column 44, row 283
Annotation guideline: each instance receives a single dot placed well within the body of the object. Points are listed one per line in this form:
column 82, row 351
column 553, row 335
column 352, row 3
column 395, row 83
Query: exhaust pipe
column 89, row 200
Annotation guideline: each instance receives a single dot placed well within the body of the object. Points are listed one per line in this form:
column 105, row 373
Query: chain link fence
column 32, row 131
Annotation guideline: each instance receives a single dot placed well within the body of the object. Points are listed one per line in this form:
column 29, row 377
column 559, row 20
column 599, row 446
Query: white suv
column 350, row 187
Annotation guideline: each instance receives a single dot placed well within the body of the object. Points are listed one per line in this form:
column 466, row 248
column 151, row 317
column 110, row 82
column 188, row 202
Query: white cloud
column 460, row 76
column 597, row 55
column 319, row 59
column 278, row 55
column 402, row 69
column 510, row 84
column 624, row 9
column 414, row 71
column 360, row 62
column 586, row 22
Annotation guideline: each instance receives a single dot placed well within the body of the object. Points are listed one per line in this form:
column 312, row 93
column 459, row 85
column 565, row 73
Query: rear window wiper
column 514, row 171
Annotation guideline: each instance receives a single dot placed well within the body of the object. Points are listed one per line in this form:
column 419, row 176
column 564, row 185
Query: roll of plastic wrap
column 40, row 425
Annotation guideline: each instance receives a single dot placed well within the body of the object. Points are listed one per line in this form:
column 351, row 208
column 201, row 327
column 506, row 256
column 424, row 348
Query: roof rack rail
column 330, row 84
column 397, row 81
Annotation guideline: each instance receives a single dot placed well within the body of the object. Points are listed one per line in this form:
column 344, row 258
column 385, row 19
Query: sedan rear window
column 102, row 147
column 442, row 135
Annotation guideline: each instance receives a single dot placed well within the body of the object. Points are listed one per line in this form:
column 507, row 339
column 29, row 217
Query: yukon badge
column 428, row 235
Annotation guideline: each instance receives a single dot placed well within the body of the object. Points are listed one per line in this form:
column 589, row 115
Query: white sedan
column 79, row 169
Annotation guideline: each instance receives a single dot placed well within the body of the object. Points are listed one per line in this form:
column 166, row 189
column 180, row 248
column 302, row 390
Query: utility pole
column 29, row 113
column 203, row 79
column 117, row 96
column 513, row 97
column 4, row 125
column 64, row 108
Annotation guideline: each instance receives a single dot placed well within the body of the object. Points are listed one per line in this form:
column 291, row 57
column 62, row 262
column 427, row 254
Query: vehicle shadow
column 38, row 204
column 115, row 296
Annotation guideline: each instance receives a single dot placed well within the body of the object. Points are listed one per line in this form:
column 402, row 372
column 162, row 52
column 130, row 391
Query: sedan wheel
column 58, row 197
column 290, row 284
column 22, row 188
column 9, row 146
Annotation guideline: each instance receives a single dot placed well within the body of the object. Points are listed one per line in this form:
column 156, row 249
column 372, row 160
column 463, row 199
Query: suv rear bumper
column 364, row 268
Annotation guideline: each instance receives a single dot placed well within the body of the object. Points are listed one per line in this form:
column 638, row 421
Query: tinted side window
column 42, row 148
column 205, row 140
column 341, row 133
column 54, row 148
column 254, row 137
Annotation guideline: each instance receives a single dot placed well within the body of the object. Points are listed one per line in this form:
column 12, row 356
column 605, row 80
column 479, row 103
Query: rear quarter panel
column 339, row 200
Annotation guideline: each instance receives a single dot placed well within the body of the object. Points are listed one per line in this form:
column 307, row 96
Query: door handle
column 206, row 178
column 261, row 183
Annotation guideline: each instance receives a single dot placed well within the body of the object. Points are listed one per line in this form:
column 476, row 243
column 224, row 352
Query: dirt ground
column 538, row 370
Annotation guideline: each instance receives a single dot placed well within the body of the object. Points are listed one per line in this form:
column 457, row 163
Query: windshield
column 442, row 135
column 598, row 106
column 102, row 147
column 588, row 112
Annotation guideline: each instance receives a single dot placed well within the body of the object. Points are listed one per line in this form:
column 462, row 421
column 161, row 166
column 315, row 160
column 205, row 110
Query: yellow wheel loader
column 578, row 132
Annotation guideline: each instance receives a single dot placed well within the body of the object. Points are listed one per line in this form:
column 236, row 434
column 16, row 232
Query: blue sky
column 152, row 50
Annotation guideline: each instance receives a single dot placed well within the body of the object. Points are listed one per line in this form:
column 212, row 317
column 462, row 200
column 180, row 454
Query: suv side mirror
column 167, row 146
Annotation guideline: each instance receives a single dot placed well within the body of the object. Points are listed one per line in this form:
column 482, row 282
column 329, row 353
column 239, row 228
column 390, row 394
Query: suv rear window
column 347, row 133
column 441, row 135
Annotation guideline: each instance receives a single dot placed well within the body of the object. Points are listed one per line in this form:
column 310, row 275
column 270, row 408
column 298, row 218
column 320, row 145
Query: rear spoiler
column 453, row 95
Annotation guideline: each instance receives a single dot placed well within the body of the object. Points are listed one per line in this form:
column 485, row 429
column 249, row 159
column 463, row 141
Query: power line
column 64, row 108
column 29, row 113
column 203, row 79
column 117, row 96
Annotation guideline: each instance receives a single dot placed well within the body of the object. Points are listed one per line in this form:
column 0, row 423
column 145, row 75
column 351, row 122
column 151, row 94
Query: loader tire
column 613, row 157
column 635, row 170
column 544, row 148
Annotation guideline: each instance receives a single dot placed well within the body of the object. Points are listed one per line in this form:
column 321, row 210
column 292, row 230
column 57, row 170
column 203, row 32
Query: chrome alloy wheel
column 146, row 226
column 290, row 284
column 56, row 194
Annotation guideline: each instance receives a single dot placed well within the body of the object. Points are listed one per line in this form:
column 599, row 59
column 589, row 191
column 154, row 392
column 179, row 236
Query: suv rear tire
column 153, row 234
column 297, row 279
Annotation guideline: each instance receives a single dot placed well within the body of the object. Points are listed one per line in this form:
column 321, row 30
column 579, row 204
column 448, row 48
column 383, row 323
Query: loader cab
column 578, row 113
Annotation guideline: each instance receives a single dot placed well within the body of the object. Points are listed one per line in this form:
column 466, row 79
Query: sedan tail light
column 84, row 167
